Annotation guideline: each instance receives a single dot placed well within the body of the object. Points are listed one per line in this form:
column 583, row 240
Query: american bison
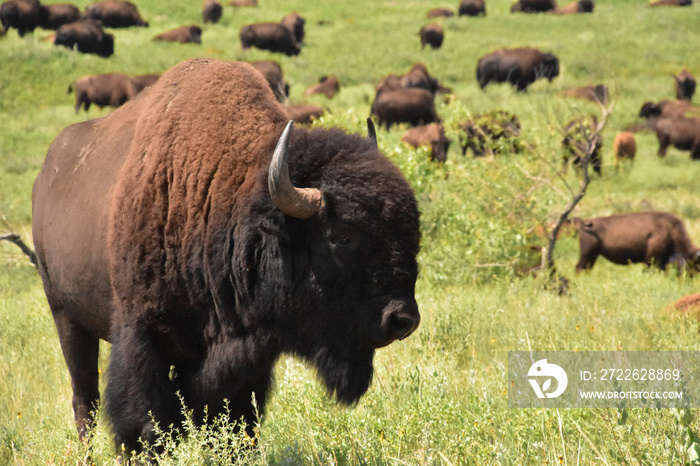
column 272, row 71
column 681, row 133
column 191, row 34
column 240, row 3
column 111, row 89
column 411, row 105
column 432, row 34
column 582, row 139
column 212, row 11
column 624, row 148
column 142, row 81
column 303, row 113
column 685, row 85
column 115, row 14
column 671, row 3
column 471, row 8
column 327, row 85
column 597, row 93
column 580, row 6
column 204, row 239
column 489, row 133
column 23, row 15
column 520, row 67
column 440, row 13
column 431, row 136
column 59, row 14
column 668, row 109
column 657, row 238
column 274, row 37
column 295, row 23
column 533, row 6
column 418, row 76
column 87, row 36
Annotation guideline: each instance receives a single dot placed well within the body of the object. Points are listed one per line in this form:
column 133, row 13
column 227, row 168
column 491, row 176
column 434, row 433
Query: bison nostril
column 398, row 323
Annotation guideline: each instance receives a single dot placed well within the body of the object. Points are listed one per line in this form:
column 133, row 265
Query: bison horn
column 371, row 132
column 296, row 202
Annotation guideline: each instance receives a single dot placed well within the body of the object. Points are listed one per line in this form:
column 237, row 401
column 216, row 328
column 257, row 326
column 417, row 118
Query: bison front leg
column 664, row 142
column 589, row 251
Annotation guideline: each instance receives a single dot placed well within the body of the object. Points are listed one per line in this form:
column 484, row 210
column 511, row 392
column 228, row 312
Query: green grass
column 440, row 396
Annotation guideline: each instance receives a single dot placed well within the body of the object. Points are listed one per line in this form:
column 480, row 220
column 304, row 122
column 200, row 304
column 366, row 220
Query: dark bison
column 204, row 244
column 432, row 136
column 418, row 76
column 432, row 34
column 580, row 6
column 668, row 109
column 295, row 23
column 272, row 71
column 274, row 37
column 440, row 13
column 59, row 14
column 23, row 15
column 142, row 81
column 489, row 133
column 327, row 85
column 115, row 14
column 657, row 238
column 582, row 139
column 87, row 36
column 597, row 93
column 212, row 11
column 533, row 6
column 682, row 133
column 472, row 8
column 103, row 90
column 624, row 148
column 239, row 3
column 303, row 113
column 191, row 34
column 520, row 67
column 671, row 3
column 410, row 105
column 685, row 85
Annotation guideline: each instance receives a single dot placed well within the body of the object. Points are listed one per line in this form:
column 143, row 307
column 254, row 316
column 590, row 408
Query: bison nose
column 399, row 320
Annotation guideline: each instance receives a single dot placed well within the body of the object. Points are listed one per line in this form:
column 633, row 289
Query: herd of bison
column 654, row 238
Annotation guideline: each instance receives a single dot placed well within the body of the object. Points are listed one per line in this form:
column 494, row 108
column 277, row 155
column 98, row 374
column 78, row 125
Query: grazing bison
column 418, row 76
column 59, row 14
column 533, row 6
column 304, row 113
column 206, row 239
column 115, row 14
column 23, row 15
column 668, row 109
column 657, row 238
column 212, row 11
column 410, row 105
column 111, row 89
column 295, row 23
column 581, row 139
column 142, row 81
column 624, row 148
column 681, row 133
column 472, row 8
column 431, row 34
column 685, row 85
column 274, row 37
column 272, row 71
column 595, row 93
column 489, row 133
column 239, row 3
column 327, row 85
column 87, row 36
column 671, row 3
column 432, row 136
column 191, row 34
column 440, row 13
column 520, row 67
column 580, row 6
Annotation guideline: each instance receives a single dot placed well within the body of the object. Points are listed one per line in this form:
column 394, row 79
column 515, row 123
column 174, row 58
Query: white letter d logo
column 542, row 369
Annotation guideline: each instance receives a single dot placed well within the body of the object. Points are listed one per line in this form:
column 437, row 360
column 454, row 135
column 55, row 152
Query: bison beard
column 200, row 271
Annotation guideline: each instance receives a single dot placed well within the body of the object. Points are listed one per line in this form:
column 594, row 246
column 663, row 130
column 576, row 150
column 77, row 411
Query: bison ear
column 371, row 132
column 270, row 227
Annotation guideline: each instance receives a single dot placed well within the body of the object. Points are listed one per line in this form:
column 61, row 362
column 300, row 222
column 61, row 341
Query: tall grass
column 440, row 396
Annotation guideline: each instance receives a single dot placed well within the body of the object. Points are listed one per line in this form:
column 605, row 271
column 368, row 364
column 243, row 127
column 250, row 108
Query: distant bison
column 472, row 8
column 59, row 14
column 23, row 15
column 418, row 76
column 274, row 37
column 685, row 85
column 440, row 13
column 432, row 34
column 295, row 23
column 207, row 237
column 412, row 105
column 520, row 67
column 212, row 11
column 431, row 136
column 239, row 3
column 624, row 147
column 580, row 6
column 103, row 90
column 533, row 6
column 272, row 71
column 327, row 85
column 668, row 109
column 595, row 93
column 142, row 81
column 87, row 36
column 671, row 3
column 653, row 238
column 682, row 133
column 115, row 14
column 184, row 35
column 304, row 113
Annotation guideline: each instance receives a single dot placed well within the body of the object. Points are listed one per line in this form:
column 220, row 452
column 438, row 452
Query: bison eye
column 342, row 241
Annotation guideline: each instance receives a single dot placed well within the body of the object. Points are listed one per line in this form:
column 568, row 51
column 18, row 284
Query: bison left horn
column 371, row 132
column 296, row 202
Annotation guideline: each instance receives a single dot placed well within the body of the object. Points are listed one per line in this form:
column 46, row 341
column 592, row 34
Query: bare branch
column 15, row 239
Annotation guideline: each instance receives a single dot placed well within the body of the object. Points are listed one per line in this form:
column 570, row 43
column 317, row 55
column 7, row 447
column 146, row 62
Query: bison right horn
column 296, row 202
column 371, row 132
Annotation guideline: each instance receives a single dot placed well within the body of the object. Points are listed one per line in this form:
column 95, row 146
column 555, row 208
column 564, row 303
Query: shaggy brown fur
column 142, row 81
column 687, row 304
column 624, row 147
column 327, row 85
column 431, row 34
column 184, row 35
column 432, row 136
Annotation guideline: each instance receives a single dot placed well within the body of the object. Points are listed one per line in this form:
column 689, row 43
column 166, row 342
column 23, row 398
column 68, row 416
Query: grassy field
column 440, row 396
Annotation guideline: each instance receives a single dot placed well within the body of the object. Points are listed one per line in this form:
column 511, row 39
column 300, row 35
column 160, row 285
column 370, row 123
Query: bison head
column 549, row 67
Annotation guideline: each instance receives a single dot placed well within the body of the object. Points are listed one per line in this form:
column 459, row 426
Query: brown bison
column 191, row 34
column 431, row 136
column 431, row 34
column 239, row 3
column 533, row 6
column 87, row 36
column 142, row 81
column 471, row 8
column 212, row 11
column 440, row 13
column 657, row 238
column 411, row 105
column 624, row 148
column 115, row 14
column 595, row 93
column 59, row 14
column 207, row 238
column 668, row 109
column 520, row 67
column 580, row 6
column 111, row 89
column 327, row 85
column 303, row 113
column 295, row 23
column 681, row 133
column 581, row 140
column 671, row 3
column 418, row 76
column 23, row 15
column 274, row 37
column 272, row 71
column 685, row 85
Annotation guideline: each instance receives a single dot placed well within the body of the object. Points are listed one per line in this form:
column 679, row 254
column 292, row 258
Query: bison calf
column 624, row 148
column 184, row 35
column 432, row 35
column 594, row 93
column 654, row 238
column 327, row 85
column 432, row 136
